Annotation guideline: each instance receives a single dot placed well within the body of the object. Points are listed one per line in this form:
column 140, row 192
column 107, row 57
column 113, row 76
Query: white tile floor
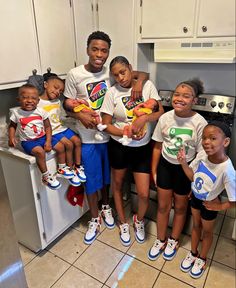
column 69, row 263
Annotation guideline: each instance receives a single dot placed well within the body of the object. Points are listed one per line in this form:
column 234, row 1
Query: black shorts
column 205, row 214
column 138, row 159
column 171, row 176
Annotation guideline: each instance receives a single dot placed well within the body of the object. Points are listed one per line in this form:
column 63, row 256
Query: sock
column 77, row 165
column 204, row 259
column 194, row 254
column 61, row 165
column 173, row 238
column 45, row 174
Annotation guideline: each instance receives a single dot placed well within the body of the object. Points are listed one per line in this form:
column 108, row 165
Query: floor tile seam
column 178, row 278
column 117, row 249
column 143, row 262
column 61, row 276
column 113, row 270
column 87, row 274
column 223, row 264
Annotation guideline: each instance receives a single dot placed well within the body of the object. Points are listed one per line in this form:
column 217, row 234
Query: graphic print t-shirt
column 53, row 108
column 211, row 179
column 29, row 123
column 176, row 132
column 118, row 104
column 92, row 87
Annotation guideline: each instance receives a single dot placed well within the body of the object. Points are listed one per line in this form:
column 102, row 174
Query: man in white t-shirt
column 90, row 82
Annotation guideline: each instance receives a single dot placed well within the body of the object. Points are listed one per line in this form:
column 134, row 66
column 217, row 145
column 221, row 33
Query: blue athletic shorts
column 30, row 144
column 96, row 166
column 68, row 133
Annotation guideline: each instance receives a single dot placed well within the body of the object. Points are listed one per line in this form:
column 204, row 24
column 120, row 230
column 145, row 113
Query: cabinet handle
column 204, row 28
column 185, row 29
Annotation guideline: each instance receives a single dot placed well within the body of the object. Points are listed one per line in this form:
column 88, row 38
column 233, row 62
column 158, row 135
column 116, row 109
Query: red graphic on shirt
column 33, row 126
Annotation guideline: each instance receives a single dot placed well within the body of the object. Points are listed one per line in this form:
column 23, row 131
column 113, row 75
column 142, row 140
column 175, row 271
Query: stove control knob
column 221, row 105
column 229, row 105
column 168, row 99
column 213, row 104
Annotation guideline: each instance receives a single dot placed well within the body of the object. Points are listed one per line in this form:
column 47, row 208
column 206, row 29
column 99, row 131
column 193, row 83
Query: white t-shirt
column 92, row 87
column 29, row 123
column 174, row 132
column 118, row 104
column 53, row 108
column 211, row 179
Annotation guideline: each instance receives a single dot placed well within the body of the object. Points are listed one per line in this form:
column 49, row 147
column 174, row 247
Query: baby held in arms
column 77, row 105
column 141, row 109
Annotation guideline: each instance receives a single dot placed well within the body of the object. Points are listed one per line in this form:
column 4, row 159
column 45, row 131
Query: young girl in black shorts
column 176, row 128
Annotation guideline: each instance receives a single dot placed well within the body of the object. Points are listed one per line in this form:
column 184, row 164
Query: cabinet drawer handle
column 185, row 29
column 204, row 28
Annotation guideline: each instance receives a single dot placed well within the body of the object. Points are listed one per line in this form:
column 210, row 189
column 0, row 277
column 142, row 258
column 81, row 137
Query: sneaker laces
column 190, row 257
column 124, row 228
column 93, row 224
column 171, row 243
column 107, row 212
column 158, row 243
column 199, row 263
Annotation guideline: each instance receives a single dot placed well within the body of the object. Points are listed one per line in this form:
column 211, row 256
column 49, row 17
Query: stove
column 208, row 105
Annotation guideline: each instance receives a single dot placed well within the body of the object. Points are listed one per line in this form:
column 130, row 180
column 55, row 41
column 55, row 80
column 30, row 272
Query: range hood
column 194, row 51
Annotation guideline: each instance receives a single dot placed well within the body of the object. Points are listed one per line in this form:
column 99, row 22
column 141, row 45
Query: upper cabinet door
column 167, row 18
column 54, row 21
column 18, row 48
column 84, row 25
column 116, row 18
column 216, row 18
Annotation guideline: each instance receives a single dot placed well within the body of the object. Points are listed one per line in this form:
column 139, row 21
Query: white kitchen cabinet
column 167, row 19
column 116, row 18
column 216, row 18
column 54, row 21
column 18, row 50
column 40, row 214
column 35, row 35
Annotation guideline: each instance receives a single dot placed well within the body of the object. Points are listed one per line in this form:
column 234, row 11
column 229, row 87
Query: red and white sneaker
column 139, row 231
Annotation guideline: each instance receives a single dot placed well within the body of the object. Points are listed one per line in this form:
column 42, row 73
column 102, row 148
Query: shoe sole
column 66, row 177
column 138, row 240
column 167, row 258
column 53, row 188
column 88, row 242
column 196, row 276
column 109, row 226
column 125, row 243
column 153, row 258
column 184, row 269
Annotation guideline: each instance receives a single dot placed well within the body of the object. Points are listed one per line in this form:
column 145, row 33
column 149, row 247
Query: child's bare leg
column 77, row 149
column 93, row 204
column 68, row 146
column 180, row 210
column 118, row 176
column 40, row 156
column 196, row 230
column 105, row 194
column 60, row 150
column 164, row 197
column 207, row 237
column 142, row 185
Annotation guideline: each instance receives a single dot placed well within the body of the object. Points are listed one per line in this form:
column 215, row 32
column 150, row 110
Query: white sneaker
column 171, row 249
column 101, row 127
column 156, row 250
column 198, row 268
column 139, row 231
column 108, row 219
column 80, row 173
column 75, row 181
column 99, row 136
column 65, row 172
column 51, row 182
column 93, row 230
column 124, row 234
column 125, row 140
column 187, row 262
